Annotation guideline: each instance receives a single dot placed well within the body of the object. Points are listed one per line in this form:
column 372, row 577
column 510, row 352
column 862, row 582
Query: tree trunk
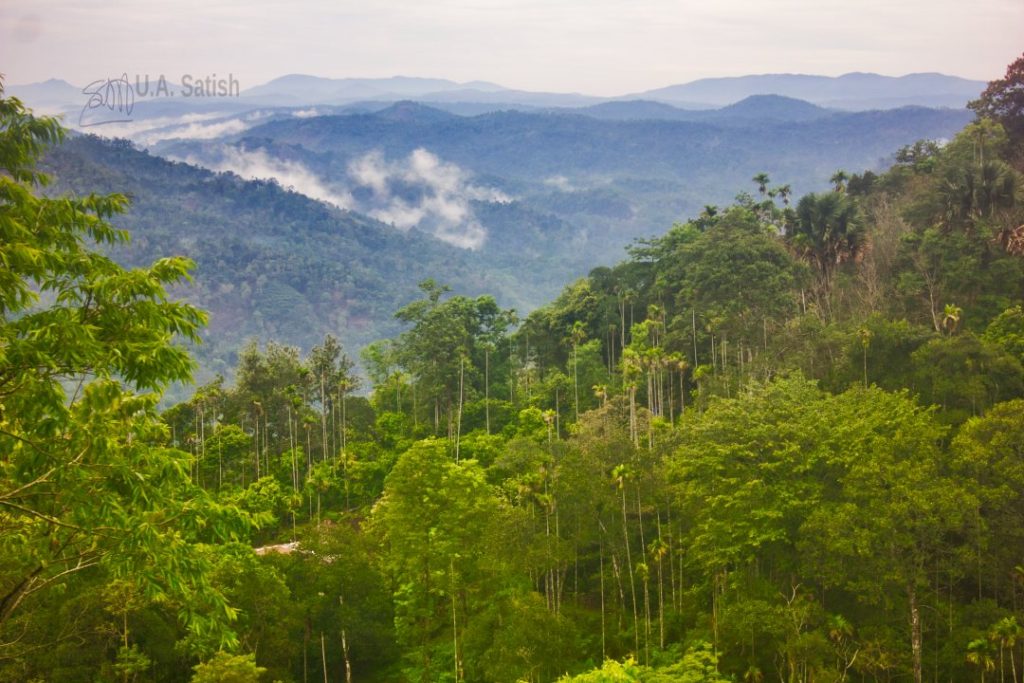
column 487, row 388
column 632, row 583
column 323, row 655
column 603, row 638
column 915, row 632
column 575, row 382
column 458, row 427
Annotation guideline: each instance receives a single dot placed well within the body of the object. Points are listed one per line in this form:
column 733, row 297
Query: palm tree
column 620, row 475
column 762, row 181
column 257, row 409
column 658, row 549
column 951, row 318
column 578, row 334
column 865, row 335
column 828, row 233
column 970, row 193
column 838, row 180
column 707, row 217
column 1007, row 632
column 784, row 192
column 979, row 652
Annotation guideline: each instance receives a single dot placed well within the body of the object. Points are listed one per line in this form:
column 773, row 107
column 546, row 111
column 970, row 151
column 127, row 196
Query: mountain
column 275, row 264
column 771, row 108
column 301, row 89
column 48, row 97
column 529, row 146
column 852, row 91
column 684, row 102
column 628, row 110
column 514, row 98
column 541, row 195
column 753, row 109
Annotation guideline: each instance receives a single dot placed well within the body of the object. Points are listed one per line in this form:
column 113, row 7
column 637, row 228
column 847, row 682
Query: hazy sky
column 601, row 47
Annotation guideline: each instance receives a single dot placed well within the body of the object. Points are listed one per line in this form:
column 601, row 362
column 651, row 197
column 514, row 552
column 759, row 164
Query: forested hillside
column 569, row 164
column 783, row 440
column 274, row 264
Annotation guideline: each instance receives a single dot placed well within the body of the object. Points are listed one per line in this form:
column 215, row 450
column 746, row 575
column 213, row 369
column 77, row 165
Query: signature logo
column 110, row 100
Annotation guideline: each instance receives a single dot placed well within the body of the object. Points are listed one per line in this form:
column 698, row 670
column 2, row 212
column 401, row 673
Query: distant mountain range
column 851, row 92
column 606, row 170
column 301, row 89
column 340, row 200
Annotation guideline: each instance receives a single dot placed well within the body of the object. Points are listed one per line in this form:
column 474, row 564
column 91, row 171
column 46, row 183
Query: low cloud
column 257, row 164
column 150, row 131
column 559, row 182
column 134, row 130
column 194, row 131
column 422, row 191
column 418, row 191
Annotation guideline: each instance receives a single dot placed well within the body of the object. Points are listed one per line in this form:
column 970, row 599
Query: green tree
column 1003, row 100
column 828, row 233
column 1007, row 331
column 86, row 348
column 437, row 522
column 898, row 513
column 228, row 668
column 964, row 375
column 709, row 270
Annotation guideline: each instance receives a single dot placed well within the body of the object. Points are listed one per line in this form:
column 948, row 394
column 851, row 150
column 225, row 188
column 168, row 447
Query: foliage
column 227, row 668
column 86, row 347
column 772, row 443
column 1003, row 100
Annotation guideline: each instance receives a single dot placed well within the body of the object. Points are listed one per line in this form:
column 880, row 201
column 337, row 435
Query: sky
column 597, row 47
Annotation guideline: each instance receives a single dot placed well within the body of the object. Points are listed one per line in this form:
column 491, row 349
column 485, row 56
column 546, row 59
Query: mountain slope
column 270, row 262
column 527, row 145
column 610, row 181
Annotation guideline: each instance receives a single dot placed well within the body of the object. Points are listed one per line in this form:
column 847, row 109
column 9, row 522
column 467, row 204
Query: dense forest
column 782, row 441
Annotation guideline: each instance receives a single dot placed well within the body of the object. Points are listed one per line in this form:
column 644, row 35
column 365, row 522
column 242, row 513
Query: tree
column 762, row 180
column 979, row 653
column 898, row 513
column 988, row 451
column 708, row 271
column 964, row 375
column 436, row 519
column 1007, row 331
column 86, row 348
column 784, row 192
column 839, row 180
column 1003, row 101
column 444, row 349
column 828, row 233
column 227, row 668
